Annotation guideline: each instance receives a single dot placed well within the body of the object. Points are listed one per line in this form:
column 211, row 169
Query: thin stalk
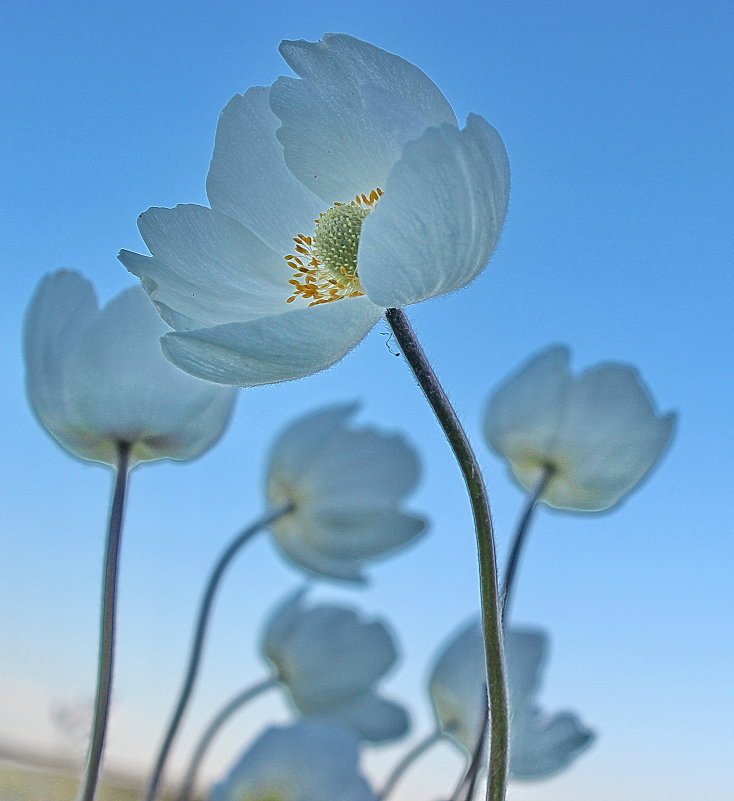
column 489, row 589
column 465, row 789
column 197, row 646
column 417, row 751
column 105, row 661
column 224, row 714
column 519, row 539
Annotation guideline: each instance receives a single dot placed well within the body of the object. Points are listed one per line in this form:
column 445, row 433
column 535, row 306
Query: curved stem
column 90, row 780
column 417, row 751
column 224, row 714
column 519, row 539
column 197, row 645
column 489, row 590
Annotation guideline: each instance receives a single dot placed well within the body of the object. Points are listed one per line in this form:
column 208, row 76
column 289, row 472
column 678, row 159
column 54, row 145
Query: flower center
column 325, row 264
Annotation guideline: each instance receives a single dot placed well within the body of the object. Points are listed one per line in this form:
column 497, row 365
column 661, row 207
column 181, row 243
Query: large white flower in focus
column 97, row 377
column 333, row 196
column 540, row 744
column 345, row 487
column 598, row 432
column 330, row 659
column 312, row 760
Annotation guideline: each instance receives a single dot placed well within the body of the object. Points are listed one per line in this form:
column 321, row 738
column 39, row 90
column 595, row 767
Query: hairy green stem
column 197, row 646
column 489, row 589
column 224, row 714
column 90, row 779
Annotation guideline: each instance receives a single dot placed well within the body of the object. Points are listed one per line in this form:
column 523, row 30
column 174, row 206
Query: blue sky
column 618, row 119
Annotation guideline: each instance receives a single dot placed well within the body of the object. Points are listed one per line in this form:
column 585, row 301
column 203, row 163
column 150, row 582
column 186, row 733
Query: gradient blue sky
column 618, row 120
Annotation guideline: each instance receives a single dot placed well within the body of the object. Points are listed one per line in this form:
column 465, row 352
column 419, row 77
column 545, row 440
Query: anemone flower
column 590, row 438
column 344, row 487
column 540, row 745
column 334, row 196
column 96, row 378
column 330, row 659
column 312, row 760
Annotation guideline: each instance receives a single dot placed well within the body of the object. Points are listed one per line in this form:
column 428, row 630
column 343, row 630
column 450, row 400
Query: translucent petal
column 542, row 746
column 275, row 348
column 440, row 217
column 336, row 140
column 375, row 719
column 117, row 383
column 208, row 267
column 525, row 652
column 248, row 178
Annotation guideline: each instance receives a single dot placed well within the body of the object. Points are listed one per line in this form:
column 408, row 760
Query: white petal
column 524, row 416
column 363, row 469
column 525, row 652
column 293, row 539
column 248, row 178
column 272, row 349
column 281, row 622
column 300, row 442
column 311, row 760
column 356, row 535
column 207, row 266
column 63, row 305
column 543, row 746
column 374, row 718
column 610, row 440
column 118, row 383
column 339, row 133
column 440, row 217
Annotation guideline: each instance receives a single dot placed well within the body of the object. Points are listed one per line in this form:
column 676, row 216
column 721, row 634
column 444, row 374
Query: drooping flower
column 334, row 196
column 97, row 377
column 312, row 760
column 345, row 485
column 598, row 433
column 330, row 659
column 540, row 744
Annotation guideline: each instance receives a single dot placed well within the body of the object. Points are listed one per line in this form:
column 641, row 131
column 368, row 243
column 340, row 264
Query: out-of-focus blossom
column 334, row 196
column 598, row 433
column 97, row 377
column 330, row 659
column 312, row 760
column 346, row 486
column 540, row 745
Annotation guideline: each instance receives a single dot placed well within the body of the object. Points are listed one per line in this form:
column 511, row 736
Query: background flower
column 540, row 745
column 96, row 377
column 312, row 760
column 256, row 292
column 346, row 486
column 329, row 659
column 598, row 432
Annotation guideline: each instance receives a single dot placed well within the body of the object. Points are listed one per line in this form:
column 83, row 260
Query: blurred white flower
column 302, row 250
column 540, row 745
column 312, row 760
column 97, row 377
column 598, row 432
column 330, row 659
column 346, row 486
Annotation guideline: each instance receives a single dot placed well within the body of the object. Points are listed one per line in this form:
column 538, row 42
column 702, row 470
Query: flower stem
column 213, row 728
column 417, row 751
column 489, row 591
column 519, row 539
column 197, row 645
column 90, row 780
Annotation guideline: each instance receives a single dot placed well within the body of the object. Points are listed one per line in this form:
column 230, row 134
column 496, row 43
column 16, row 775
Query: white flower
column 598, row 432
column 540, row 745
column 312, row 760
column 330, row 659
column 346, row 486
column 97, row 377
column 352, row 184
